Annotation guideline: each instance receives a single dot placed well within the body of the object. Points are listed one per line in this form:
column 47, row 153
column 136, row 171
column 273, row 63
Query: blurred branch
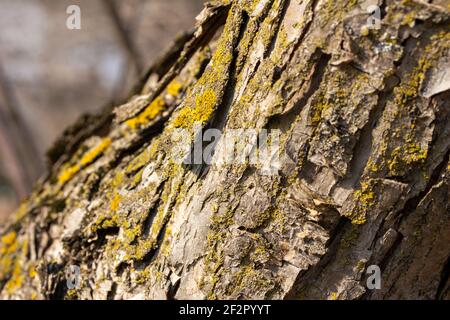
column 17, row 146
column 124, row 36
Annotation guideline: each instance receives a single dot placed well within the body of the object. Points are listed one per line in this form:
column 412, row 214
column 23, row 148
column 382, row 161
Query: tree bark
column 363, row 177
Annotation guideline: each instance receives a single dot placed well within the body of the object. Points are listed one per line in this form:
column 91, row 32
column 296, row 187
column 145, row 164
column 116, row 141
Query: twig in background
column 17, row 146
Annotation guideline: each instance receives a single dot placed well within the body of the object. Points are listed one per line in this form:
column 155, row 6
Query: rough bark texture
column 364, row 176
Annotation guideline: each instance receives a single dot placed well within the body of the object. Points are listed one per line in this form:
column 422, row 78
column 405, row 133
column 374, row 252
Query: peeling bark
column 363, row 180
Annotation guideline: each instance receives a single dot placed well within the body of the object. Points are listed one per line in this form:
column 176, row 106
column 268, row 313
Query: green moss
column 130, row 243
column 132, row 233
column 105, row 222
column 341, row 89
column 250, row 5
column 404, row 13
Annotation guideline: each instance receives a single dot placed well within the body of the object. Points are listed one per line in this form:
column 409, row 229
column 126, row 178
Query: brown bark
column 363, row 178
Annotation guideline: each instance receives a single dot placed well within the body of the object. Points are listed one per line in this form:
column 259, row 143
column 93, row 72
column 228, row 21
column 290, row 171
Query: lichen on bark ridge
column 364, row 179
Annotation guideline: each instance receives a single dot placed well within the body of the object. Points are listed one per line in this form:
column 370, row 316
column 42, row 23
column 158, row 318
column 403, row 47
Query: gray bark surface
column 363, row 180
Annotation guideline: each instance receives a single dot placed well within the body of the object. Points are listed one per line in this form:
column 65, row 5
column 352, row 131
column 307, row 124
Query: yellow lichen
column 9, row 239
column 117, row 180
column 406, row 156
column 132, row 234
column 350, row 237
column 70, row 171
column 364, row 200
column 91, row 155
column 333, row 296
column 12, row 255
column 144, row 276
column 155, row 108
column 204, row 107
column 138, row 162
column 364, row 31
column 16, row 279
column 137, row 178
column 372, row 166
column 108, row 223
column 203, row 98
column 409, row 19
column 150, row 113
column 432, row 52
column 334, row 10
column 21, row 211
column 319, row 109
column 174, row 88
column 32, row 273
column 248, row 277
column 68, row 174
column 360, row 265
column 214, row 256
column 115, row 202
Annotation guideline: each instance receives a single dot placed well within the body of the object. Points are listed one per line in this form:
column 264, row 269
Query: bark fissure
column 361, row 177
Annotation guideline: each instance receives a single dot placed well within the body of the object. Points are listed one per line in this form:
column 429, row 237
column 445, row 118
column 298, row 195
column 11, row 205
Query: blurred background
column 50, row 75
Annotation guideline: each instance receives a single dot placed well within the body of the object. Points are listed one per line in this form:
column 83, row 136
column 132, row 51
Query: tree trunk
column 362, row 179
